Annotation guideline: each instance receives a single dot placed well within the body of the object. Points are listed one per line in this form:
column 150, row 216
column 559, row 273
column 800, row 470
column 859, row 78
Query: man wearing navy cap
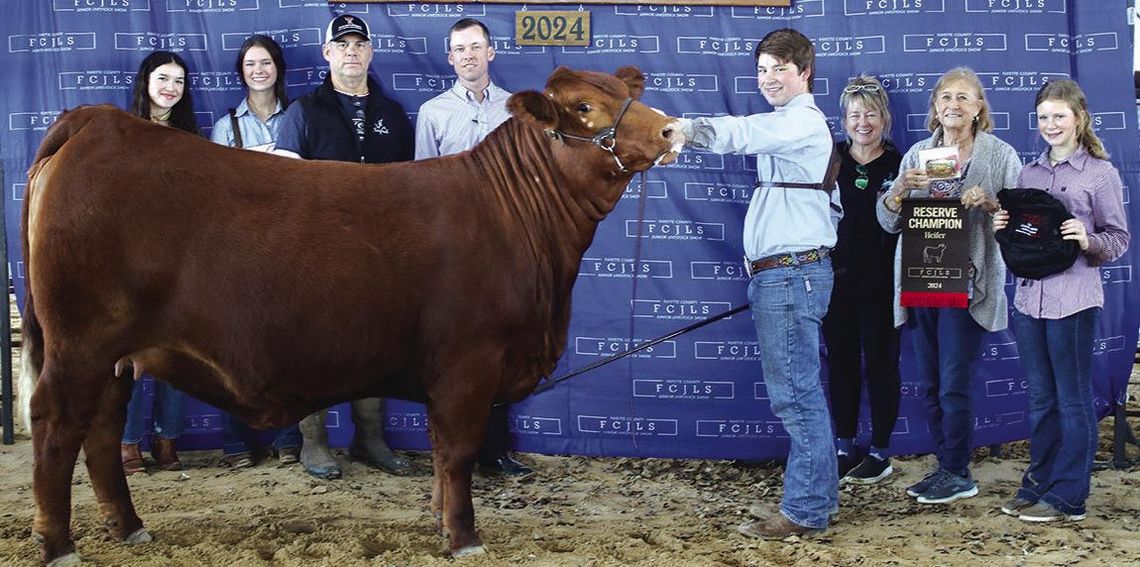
column 348, row 118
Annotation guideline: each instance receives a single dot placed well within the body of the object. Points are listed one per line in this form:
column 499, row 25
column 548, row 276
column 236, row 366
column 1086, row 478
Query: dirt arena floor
column 577, row 511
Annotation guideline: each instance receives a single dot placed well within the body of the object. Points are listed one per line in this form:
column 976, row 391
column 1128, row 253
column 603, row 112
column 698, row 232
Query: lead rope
column 551, row 383
column 641, row 198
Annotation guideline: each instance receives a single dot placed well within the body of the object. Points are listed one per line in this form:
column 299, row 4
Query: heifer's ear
column 557, row 74
column 534, row 107
column 633, row 80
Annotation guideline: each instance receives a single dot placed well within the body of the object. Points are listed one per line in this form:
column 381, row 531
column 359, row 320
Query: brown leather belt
column 785, row 260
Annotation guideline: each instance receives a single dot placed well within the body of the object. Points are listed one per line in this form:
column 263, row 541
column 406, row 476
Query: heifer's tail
column 32, row 355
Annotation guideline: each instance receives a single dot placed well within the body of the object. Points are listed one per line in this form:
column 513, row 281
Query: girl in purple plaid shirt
column 1055, row 318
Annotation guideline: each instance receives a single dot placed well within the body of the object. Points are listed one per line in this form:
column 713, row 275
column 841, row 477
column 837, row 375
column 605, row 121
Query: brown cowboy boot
column 132, row 458
column 162, row 449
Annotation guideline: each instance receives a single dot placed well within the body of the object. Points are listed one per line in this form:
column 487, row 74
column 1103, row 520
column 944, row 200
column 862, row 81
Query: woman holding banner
column 858, row 325
column 961, row 162
column 1055, row 317
column 160, row 95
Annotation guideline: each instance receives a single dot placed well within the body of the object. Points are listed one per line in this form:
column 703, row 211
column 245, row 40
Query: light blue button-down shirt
column 255, row 134
column 792, row 144
column 454, row 121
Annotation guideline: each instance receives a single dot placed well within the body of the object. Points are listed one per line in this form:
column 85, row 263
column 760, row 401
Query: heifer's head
column 586, row 108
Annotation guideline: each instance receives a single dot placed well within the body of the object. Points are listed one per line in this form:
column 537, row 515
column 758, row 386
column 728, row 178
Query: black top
column 324, row 125
column 863, row 257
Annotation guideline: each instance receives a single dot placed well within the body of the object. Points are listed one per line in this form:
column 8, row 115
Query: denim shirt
column 254, row 132
column 1092, row 191
column 792, row 144
column 454, row 121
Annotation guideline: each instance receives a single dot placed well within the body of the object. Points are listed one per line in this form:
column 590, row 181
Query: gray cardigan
column 994, row 166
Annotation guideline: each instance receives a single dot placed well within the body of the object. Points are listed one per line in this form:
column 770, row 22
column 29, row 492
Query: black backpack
column 1031, row 244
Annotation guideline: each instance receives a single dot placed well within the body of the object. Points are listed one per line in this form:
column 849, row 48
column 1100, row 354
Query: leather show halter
column 606, row 138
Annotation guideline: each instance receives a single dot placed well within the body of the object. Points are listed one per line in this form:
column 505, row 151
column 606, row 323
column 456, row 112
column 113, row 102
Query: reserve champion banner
column 935, row 254
column 699, row 395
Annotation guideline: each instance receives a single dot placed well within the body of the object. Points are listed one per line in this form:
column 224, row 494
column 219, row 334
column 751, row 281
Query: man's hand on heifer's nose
column 686, row 127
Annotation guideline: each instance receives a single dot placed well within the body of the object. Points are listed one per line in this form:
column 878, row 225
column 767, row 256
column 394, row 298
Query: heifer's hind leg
column 436, row 484
column 457, row 425
column 61, row 411
column 106, row 468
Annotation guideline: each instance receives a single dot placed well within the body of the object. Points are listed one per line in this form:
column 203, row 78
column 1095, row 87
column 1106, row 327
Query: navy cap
column 344, row 25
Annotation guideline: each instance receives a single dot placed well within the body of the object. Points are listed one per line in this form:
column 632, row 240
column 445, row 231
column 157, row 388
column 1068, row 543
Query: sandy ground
column 577, row 511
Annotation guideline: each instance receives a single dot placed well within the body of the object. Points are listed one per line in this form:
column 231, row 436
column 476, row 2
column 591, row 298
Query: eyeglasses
column 873, row 87
column 343, row 46
column 861, row 182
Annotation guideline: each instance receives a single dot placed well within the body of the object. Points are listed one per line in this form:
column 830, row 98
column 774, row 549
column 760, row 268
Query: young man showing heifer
column 348, row 118
column 788, row 230
column 454, row 122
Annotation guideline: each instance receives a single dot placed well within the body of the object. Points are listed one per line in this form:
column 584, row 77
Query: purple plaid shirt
column 1092, row 191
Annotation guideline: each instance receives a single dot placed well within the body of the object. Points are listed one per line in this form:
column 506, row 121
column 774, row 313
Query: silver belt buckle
column 748, row 267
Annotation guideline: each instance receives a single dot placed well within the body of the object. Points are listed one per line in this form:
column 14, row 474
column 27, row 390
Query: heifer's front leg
column 458, row 430
column 106, row 468
column 60, row 416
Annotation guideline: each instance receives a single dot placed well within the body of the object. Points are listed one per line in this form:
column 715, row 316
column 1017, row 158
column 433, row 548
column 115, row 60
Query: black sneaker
column 948, row 488
column 870, row 471
column 916, row 489
column 846, row 463
column 506, row 466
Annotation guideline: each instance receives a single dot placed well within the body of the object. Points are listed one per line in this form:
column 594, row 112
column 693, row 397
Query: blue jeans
column 237, row 436
column 166, row 417
column 788, row 305
column 946, row 343
column 1056, row 355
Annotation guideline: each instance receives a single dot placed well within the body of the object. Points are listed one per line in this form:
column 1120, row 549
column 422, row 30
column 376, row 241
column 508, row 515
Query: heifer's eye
column 583, row 107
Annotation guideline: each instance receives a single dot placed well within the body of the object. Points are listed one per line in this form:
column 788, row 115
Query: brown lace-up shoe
column 163, row 451
column 132, row 458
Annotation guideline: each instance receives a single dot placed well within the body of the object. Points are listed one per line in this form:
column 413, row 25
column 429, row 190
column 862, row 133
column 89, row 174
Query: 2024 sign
column 552, row 28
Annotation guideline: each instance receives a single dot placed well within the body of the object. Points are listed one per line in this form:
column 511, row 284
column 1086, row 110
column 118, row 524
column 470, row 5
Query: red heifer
column 272, row 287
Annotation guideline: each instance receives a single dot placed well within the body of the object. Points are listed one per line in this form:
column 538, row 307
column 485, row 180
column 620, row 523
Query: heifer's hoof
column 72, row 558
column 468, row 551
column 138, row 536
column 329, row 472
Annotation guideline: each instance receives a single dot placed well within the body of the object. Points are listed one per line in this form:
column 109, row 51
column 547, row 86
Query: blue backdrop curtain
column 700, row 395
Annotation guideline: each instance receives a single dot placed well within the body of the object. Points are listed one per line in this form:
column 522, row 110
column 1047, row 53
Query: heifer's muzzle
column 606, row 138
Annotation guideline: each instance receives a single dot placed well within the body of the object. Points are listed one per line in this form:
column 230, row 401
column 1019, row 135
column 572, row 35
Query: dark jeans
column 1056, row 355
column 946, row 343
column 856, row 330
column 497, row 441
column 166, row 419
column 237, row 436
